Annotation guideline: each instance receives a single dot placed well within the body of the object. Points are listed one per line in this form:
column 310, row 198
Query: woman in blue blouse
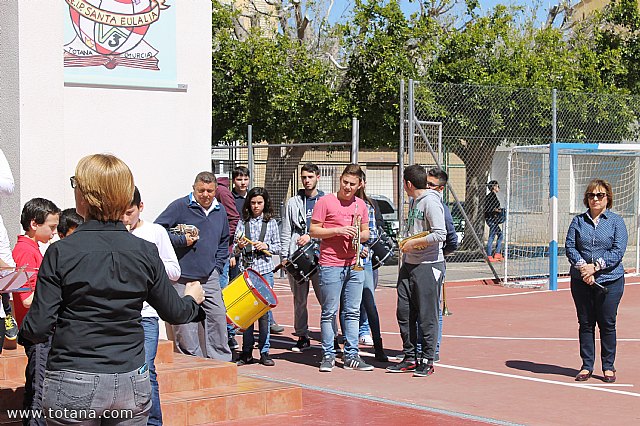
column 596, row 242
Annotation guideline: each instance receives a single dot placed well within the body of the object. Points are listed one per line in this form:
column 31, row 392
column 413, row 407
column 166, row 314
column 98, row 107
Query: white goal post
column 545, row 189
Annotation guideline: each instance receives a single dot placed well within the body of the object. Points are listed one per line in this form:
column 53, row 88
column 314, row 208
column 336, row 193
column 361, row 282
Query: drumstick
column 267, row 252
column 280, row 265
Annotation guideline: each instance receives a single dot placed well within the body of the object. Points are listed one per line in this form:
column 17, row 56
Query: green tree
column 277, row 84
column 383, row 46
column 616, row 32
column 508, row 66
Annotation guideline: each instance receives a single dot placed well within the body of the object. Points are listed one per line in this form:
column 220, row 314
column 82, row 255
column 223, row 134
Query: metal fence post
column 412, row 130
column 250, row 160
column 355, row 140
column 401, row 163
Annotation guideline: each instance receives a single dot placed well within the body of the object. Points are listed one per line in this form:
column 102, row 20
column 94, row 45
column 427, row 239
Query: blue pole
column 553, row 211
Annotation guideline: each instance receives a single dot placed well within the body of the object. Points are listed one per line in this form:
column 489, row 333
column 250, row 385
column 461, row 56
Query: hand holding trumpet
column 190, row 232
column 347, row 231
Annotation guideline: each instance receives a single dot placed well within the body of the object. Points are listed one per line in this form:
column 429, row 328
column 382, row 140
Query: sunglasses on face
column 433, row 185
column 594, row 195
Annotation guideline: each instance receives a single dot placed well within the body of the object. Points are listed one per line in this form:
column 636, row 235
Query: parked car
column 389, row 215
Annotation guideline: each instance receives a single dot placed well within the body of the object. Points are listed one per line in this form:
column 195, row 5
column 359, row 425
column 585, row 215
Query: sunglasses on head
column 594, row 195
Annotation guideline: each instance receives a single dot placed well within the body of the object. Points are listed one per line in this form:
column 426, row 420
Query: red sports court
column 509, row 356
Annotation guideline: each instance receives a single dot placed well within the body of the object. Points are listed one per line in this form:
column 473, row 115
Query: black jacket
column 491, row 203
column 90, row 289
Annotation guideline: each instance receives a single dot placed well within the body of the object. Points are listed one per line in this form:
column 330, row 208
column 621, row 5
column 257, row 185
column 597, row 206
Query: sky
column 342, row 7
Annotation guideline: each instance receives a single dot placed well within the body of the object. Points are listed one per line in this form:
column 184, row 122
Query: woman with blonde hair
column 596, row 242
column 90, row 291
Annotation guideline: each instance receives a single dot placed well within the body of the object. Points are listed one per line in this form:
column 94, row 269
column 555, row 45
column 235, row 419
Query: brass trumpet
column 359, row 266
column 182, row 229
column 403, row 241
column 445, row 309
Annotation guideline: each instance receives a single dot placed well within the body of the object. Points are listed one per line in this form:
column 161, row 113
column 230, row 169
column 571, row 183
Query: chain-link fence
column 477, row 125
column 277, row 166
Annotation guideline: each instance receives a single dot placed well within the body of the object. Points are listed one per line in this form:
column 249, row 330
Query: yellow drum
column 247, row 298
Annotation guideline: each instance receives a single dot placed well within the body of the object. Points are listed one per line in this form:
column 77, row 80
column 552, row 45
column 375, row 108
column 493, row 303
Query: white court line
column 608, row 385
column 535, row 379
column 514, row 294
column 600, row 387
column 454, row 336
column 561, row 339
column 525, row 293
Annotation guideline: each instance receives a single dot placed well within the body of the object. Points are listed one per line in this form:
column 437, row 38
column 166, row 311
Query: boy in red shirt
column 39, row 219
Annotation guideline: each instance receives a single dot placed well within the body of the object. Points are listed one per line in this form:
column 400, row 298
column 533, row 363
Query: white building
column 47, row 125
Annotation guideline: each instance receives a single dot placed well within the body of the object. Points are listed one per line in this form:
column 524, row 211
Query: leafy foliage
column 274, row 83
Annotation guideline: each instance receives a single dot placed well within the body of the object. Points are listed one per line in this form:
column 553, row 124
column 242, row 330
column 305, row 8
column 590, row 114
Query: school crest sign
column 110, row 34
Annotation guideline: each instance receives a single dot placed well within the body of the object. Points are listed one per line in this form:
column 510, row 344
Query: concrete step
column 165, row 352
column 247, row 399
column 11, row 394
column 12, row 364
column 187, row 373
column 6, row 421
column 193, row 391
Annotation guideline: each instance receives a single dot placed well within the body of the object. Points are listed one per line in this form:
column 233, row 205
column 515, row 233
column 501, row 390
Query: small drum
column 304, row 261
column 247, row 298
column 381, row 249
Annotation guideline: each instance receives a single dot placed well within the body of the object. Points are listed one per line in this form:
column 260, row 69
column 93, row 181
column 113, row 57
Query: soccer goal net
column 545, row 190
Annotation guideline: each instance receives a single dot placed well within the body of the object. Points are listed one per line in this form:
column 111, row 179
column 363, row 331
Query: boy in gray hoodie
column 421, row 274
column 295, row 234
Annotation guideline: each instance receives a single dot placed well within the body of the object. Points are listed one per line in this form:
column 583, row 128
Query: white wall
column 164, row 136
column 10, row 109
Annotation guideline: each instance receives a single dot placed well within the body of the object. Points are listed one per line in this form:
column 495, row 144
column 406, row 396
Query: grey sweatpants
column 208, row 338
column 419, row 300
column 300, row 292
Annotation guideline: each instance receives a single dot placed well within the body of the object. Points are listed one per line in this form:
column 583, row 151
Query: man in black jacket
column 493, row 215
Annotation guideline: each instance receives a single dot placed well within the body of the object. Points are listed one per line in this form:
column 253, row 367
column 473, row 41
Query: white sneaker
column 366, row 340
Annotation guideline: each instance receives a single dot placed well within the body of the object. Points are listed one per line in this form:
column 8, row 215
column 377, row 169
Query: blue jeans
column 494, row 230
column 439, row 328
column 594, row 307
column 77, row 392
column 224, row 275
column 227, row 275
column 264, row 329
column 369, row 319
column 364, row 319
column 151, row 331
column 340, row 284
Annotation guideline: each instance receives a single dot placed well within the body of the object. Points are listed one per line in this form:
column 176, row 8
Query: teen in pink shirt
column 333, row 223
